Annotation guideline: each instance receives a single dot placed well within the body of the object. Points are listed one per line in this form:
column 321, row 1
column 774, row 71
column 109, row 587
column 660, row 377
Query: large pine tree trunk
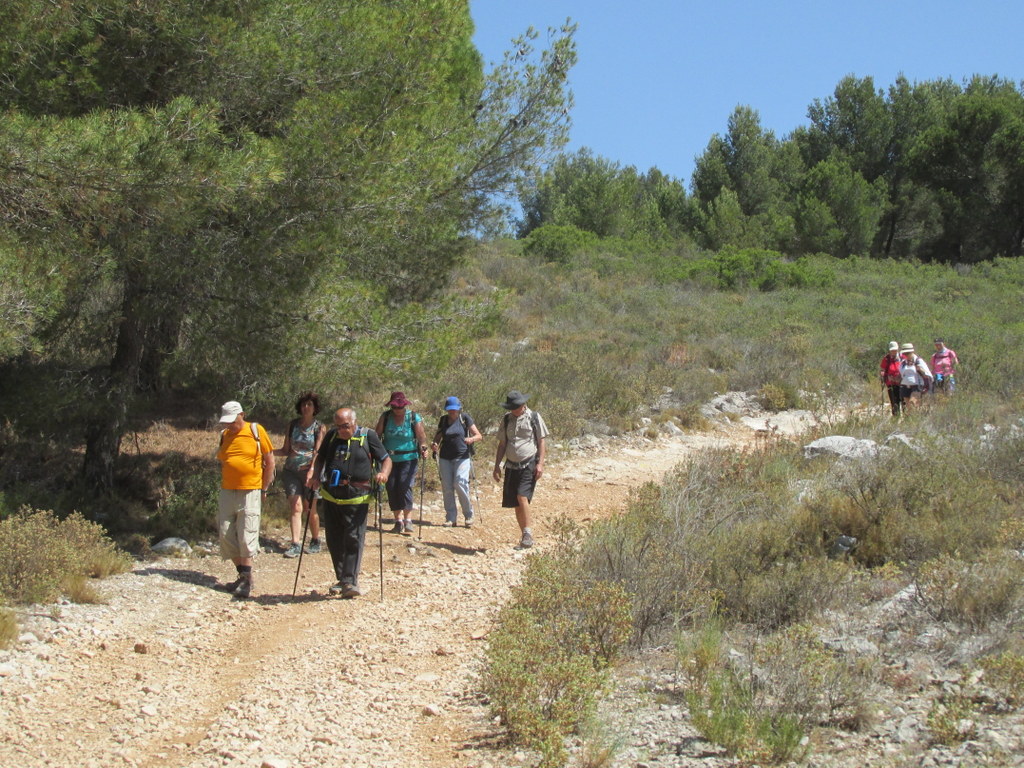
column 116, row 393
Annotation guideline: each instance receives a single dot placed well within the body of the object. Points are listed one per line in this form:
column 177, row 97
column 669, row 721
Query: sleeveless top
column 302, row 441
column 400, row 439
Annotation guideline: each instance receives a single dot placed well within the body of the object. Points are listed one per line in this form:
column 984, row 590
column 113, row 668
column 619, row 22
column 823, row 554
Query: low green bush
column 1005, row 673
column 551, row 653
column 42, row 557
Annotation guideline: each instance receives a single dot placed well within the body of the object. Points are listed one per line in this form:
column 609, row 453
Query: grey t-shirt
column 520, row 443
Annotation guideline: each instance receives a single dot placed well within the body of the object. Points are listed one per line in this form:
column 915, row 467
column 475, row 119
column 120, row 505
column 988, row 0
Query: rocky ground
column 171, row 671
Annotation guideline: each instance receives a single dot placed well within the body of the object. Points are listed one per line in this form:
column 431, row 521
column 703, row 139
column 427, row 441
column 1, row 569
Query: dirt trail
column 172, row 672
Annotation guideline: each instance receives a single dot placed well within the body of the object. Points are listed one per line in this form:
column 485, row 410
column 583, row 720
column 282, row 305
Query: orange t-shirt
column 241, row 460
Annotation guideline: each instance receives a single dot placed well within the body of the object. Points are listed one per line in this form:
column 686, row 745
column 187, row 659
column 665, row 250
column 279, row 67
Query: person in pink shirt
column 944, row 363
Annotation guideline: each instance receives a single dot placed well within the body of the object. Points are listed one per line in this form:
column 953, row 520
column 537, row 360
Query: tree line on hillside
column 931, row 171
column 227, row 194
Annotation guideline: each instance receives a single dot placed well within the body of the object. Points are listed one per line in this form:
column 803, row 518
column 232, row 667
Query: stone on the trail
column 172, row 547
column 274, row 762
column 842, row 446
column 141, row 648
column 670, row 428
column 432, row 710
column 6, row 670
column 480, row 634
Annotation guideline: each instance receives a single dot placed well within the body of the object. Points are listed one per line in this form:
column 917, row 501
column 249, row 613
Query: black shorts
column 519, row 482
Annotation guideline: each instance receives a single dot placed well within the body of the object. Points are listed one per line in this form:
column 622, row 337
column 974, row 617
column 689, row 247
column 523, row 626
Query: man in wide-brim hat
column 522, row 442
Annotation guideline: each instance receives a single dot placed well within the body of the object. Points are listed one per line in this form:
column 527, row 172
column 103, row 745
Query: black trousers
column 345, row 529
column 895, row 401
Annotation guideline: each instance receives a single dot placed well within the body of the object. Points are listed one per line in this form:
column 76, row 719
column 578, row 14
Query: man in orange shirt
column 247, row 468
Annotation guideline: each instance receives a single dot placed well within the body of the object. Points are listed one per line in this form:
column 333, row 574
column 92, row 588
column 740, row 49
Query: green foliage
column 8, row 627
column 196, row 215
column 550, row 655
column 950, row 719
column 188, row 503
column 973, row 594
column 42, row 556
column 724, row 712
column 598, row 196
column 899, row 516
column 1005, row 673
column 733, row 269
column 552, row 242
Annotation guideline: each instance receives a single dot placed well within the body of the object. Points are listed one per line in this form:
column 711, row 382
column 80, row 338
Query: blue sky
column 656, row 78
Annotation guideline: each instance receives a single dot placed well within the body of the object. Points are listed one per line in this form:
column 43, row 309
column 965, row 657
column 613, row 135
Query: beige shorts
column 238, row 522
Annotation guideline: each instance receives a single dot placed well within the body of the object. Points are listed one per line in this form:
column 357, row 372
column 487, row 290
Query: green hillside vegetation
column 740, row 548
column 282, row 198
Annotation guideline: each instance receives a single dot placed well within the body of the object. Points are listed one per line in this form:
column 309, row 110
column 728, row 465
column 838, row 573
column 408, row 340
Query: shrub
column 41, row 556
column 1005, row 673
column 804, row 678
column 549, row 656
column 970, row 593
column 950, row 719
column 554, row 242
column 187, row 506
column 725, row 712
column 8, row 627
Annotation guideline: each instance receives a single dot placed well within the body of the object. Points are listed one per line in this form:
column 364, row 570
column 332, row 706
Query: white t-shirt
column 914, row 372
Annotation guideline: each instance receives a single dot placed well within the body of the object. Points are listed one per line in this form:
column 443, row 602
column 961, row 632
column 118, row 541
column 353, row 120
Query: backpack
column 442, row 426
column 534, row 427
column 334, row 478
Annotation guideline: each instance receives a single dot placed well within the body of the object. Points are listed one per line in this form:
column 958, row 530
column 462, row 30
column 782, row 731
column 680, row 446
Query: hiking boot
column 399, row 528
column 314, row 547
column 407, row 528
column 294, row 550
column 448, row 524
column 350, row 591
column 527, row 541
column 231, row 586
column 244, row 588
column 469, row 522
column 337, row 589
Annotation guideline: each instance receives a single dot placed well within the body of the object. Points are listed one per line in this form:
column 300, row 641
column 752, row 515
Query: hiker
column 944, row 363
column 301, row 440
column 401, row 431
column 522, row 444
column 452, row 444
column 344, row 461
column 915, row 378
column 246, row 458
column 890, row 375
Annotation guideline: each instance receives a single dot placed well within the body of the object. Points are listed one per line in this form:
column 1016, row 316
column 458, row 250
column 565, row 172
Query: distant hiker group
column 907, row 378
column 343, row 469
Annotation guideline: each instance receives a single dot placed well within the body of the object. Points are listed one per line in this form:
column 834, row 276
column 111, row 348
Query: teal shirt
column 400, row 440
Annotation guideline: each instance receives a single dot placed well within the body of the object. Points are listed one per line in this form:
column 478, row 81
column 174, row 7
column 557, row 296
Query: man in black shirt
column 343, row 471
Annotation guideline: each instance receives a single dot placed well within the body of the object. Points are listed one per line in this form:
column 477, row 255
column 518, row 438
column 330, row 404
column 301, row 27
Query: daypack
column 336, row 477
column 534, row 427
column 442, row 425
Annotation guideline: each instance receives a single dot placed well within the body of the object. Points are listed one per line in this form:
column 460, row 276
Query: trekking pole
column 380, row 540
column 302, row 546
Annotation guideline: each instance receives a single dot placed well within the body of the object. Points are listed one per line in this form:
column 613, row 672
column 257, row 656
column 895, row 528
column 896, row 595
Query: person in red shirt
column 889, row 373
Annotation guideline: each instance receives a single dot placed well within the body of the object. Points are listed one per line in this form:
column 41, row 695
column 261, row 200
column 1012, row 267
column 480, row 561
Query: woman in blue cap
column 453, row 444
